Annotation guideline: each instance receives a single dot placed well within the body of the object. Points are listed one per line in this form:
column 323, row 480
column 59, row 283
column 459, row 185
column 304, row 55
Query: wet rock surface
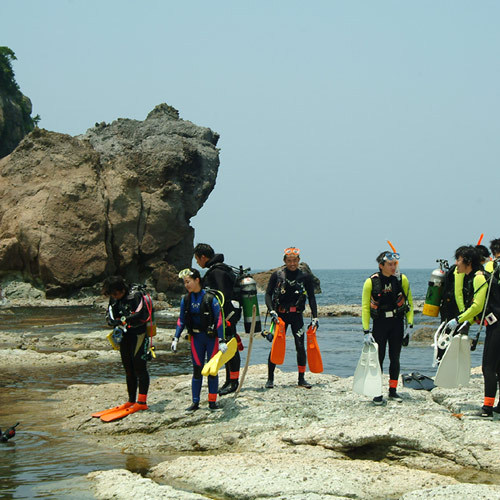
column 290, row 442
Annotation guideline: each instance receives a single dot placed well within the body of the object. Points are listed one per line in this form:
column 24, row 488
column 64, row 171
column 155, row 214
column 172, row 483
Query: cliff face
column 117, row 199
column 15, row 121
column 15, row 108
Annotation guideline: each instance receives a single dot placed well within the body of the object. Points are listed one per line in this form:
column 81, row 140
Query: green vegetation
column 10, row 88
column 7, row 81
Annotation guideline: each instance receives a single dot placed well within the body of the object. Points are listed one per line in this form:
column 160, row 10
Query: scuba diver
column 388, row 301
column 474, row 287
column 219, row 276
column 200, row 313
column 495, row 252
column 128, row 313
column 491, row 351
column 484, row 254
column 286, row 295
column 452, row 302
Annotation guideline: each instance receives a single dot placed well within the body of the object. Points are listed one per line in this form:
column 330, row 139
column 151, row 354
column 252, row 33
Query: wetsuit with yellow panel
column 388, row 301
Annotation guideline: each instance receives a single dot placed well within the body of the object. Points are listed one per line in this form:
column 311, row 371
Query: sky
column 343, row 124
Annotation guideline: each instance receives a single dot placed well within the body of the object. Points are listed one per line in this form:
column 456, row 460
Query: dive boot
column 193, row 407
column 394, row 396
column 486, row 412
column 228, row 387
column 269, row 383
column 213, row 405
column 303, row 382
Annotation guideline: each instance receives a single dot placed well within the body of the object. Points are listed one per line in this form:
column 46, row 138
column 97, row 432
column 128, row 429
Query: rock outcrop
column 293, row 443
column 115, row 200
column 15, row 121
column 15, row 108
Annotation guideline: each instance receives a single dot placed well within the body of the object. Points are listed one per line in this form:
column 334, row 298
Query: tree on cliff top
column 9, row 86
column 7, row 81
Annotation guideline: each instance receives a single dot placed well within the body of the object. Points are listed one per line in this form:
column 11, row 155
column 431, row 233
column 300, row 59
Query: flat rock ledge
column 293, row 443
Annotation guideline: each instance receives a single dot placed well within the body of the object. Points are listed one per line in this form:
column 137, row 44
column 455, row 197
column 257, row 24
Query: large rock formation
column 115, row 200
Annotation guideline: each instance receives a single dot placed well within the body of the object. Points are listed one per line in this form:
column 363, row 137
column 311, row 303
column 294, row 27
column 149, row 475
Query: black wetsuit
column 134, row 344
column 388, row 324
column 491, row 351
column 219, row 277
column 286, row 294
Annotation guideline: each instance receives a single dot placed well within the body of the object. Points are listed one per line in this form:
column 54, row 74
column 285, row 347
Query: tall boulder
column 117, row 199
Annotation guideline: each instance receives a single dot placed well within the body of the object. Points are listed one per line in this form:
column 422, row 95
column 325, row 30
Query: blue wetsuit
column 204, row 345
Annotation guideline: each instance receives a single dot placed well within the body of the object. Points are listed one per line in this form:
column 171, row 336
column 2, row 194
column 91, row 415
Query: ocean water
column 344, row 286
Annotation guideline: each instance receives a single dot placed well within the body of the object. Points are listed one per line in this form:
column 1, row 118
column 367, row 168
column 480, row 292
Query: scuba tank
column 248, row 288
column 435, row 290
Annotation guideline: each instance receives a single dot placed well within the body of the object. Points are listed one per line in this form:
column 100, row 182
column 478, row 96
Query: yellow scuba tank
column 248, row 288
column 435, row 290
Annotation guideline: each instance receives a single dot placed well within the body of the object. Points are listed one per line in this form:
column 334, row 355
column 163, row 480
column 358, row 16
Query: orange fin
column 111, row 410
column 313, row 352
column 278, row 348
column 116, row 415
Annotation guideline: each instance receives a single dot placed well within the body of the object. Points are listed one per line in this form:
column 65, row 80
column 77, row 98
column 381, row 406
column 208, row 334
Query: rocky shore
column 284, row 443
column 294, row 443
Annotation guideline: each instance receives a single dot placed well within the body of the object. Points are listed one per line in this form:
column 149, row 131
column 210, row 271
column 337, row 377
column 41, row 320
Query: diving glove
column 368, row 338
column 173, row 347
column 222, row 347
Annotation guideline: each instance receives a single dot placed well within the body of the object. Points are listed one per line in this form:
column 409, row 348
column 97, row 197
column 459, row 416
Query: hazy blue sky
column 342, row 123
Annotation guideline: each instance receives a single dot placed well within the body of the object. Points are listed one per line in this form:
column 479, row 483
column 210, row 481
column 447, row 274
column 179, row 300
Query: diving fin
column 111, row 410
column 417, row 381
column 464, row 361
column 448, row 374
column 210, row 363
column 216, row 362
column 111, row 340
column 367, row 378
column 438, row 351
column 313, row 352
column 278, row 348
column 125, row 412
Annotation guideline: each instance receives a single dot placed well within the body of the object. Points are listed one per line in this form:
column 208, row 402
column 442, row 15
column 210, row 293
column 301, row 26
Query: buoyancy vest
column 289, row 295
column 379, row 305
column 206, row 315
column 468, row 289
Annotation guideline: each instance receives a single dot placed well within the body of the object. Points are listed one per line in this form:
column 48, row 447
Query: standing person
column 127, row 308
column 200, row 313
column 495, row 252
column 474, row 292
column 484, row 254
column 219, row 276
column 491, row 351
column 474, row 287
column 388, row 301
column 286, row 295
